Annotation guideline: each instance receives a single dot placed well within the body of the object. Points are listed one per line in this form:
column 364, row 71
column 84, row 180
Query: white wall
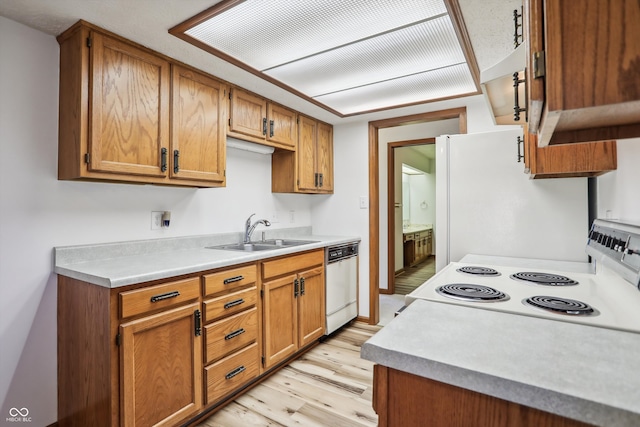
column 38, row 212
column 618, row 191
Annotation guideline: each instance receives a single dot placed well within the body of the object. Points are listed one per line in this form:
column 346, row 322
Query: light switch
column 364, row 202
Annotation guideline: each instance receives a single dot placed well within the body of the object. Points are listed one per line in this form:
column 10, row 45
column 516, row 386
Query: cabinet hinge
column 261, row 293
column 118, row 340
column 88, row 41
column 262, row 359
column 229, row 93
column 229, row 122
column 87, row 158
column 539, row 64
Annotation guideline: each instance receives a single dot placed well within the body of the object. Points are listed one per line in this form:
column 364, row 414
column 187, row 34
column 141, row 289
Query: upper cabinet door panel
column 307, row 174
column 129, row 97
column 248, row 114
column 325, row 157
column 198, row 132
column 283, row 126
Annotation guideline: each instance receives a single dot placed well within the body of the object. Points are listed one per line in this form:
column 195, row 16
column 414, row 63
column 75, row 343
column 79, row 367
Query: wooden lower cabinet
column 161, row 376
column 162, row 353
column 404, row 400
column 294, row 306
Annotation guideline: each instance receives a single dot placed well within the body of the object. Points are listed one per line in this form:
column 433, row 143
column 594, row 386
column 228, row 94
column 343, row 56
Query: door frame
column 374, row 191
column 391, row 211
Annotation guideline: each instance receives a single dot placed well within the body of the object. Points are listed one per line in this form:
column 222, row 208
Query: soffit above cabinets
column 347, row 56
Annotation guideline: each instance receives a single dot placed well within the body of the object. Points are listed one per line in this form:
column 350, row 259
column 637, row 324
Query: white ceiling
column 489, row 24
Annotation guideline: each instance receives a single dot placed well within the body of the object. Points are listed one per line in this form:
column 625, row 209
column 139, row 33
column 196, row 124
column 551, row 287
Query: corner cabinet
column 255, row 119
column 116, row 117
column 294, row 306
column 583, row 79
column 310, row 168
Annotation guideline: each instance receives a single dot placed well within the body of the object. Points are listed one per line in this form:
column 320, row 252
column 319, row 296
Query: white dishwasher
column 341, row 280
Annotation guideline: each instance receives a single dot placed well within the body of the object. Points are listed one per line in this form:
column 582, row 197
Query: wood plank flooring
column 412, row 277
column 330, row 385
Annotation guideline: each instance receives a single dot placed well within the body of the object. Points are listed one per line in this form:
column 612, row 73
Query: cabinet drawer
column 160, row 296
column 231, row 372
column 229, row 279
column 228, row 335
column 293, row 263
column 230, row 304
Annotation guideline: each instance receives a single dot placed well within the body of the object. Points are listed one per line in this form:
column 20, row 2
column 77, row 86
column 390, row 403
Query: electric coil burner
column 471, row 292
column 478, row 271
column 545, row 279
column 561, row 305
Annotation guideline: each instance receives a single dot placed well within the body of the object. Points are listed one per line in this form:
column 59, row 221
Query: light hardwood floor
column 330, row 385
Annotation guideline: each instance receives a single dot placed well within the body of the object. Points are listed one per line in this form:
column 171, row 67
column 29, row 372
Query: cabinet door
column 198, row 133
column 311, row 306
column 307, row 174
column 280, row 319
column 129, row 98
column 283, row 127
column 324, row 157
column 248, row 114
column 161, row 368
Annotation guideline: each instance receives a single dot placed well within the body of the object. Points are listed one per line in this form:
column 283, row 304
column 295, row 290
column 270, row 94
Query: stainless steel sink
column 266, row 245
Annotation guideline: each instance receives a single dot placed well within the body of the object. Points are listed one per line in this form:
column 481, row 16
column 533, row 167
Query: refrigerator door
column 487, row 205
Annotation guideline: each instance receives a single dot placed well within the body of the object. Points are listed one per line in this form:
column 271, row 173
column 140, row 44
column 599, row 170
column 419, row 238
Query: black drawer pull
column 238, row 370
column 234, row 334
column 168, row 295
column 232, row 279
column 234, row 303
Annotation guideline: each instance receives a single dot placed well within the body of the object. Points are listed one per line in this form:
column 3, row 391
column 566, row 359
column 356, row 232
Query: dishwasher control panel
column 336, row 253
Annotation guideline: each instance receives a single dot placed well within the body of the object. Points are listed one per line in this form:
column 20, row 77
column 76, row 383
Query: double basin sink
column 265, row 245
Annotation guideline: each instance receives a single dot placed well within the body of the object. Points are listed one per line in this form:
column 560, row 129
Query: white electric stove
column 603, row 294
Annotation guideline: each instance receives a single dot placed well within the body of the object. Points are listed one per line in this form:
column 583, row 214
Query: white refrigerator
column 487, row 205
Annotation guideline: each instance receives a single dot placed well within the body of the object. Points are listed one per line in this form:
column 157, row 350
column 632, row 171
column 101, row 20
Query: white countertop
column 582, row 372
column 125, row 263
column 416, row 228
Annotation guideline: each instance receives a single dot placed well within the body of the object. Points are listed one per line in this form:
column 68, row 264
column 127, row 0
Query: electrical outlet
column 292, row 216
column 274, row 217
column 156, row 220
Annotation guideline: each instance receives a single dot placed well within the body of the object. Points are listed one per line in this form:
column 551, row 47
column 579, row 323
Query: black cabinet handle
column 321, row 179
column 516, row 102
column 176, row 159
column 234, row 334
column 264, row 126
column 197, row 317
column 295, row 288
column 232, row 279
column 270, row 128
column 520, row 156
column 315, row 179
column 517, row 35
column 234, row 303
column 163, row 159
column 302, row 286
column 238, row 370
column 168, row 295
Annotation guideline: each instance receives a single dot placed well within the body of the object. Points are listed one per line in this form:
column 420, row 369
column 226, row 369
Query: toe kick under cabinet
column 162, row 353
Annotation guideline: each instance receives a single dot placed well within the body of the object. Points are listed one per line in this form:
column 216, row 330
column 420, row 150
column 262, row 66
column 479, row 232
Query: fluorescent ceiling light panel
column 333, row 50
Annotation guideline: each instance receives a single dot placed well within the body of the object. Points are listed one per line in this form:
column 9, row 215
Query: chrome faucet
column 248, row 227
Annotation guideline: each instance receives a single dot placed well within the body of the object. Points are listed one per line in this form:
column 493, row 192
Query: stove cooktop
column 601, row 300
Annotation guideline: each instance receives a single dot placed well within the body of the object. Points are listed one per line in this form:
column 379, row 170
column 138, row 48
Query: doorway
column 375, row 256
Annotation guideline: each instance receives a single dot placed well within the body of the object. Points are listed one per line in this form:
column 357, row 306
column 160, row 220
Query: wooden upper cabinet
column 115, row 115
column 254, row 119
column 198, row 133
column 568, row 160
column 310, row 168
column 582, row 70
column 129, row 99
